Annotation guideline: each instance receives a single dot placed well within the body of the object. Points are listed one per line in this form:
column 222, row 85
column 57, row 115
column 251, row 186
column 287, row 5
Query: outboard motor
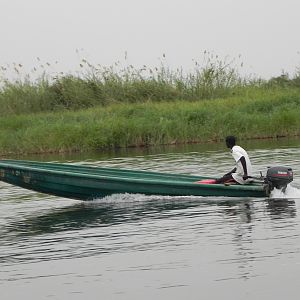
column 278, row 177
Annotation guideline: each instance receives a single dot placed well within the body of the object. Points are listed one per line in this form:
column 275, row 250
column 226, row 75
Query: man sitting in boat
column 243, row 170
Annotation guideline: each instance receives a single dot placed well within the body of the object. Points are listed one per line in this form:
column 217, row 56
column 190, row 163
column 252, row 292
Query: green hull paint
column 84, row 182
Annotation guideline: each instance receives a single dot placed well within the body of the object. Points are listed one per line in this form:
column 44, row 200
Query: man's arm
column 229, row 173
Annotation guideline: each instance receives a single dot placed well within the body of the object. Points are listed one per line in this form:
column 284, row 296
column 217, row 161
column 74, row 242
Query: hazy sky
column 264, row 32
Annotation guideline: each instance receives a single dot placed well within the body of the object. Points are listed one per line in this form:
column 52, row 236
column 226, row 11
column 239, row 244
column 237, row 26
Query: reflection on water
column 281, row 208
column 243, row 210
column 97, row 214
column 145, row 247
column 118, row 219
column 81, row 216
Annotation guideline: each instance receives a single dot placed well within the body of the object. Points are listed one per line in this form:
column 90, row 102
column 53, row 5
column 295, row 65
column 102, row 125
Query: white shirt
column 237, row 152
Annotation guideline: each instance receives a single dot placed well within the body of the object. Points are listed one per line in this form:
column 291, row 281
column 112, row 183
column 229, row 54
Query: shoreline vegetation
column 109, row 107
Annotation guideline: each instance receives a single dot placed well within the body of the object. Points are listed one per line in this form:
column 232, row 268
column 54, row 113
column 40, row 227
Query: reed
column 103, row 86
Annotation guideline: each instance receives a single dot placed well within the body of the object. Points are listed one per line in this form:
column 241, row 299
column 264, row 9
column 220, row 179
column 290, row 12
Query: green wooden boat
column 88, row 182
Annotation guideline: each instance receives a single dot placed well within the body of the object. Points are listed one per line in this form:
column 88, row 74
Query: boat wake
column 291, row 192
column 132, row 199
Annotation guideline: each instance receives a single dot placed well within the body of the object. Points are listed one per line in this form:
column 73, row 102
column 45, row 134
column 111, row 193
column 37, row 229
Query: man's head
column 230, row 141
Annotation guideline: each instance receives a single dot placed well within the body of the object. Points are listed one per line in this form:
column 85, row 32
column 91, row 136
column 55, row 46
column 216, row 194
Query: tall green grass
column 142, row 124
column 103, row 86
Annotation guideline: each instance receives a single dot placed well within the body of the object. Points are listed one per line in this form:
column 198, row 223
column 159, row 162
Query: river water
column 151, row 247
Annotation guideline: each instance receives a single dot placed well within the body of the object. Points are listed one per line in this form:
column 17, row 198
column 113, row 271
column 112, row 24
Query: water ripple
column 164, row 245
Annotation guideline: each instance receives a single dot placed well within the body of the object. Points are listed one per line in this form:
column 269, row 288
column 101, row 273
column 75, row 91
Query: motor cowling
column 279, row 177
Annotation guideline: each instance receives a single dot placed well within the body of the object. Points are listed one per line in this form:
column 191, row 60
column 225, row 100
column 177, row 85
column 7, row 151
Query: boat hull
column 85, row 183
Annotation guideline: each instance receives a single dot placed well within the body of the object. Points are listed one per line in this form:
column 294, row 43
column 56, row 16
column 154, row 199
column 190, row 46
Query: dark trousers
column 225, row 179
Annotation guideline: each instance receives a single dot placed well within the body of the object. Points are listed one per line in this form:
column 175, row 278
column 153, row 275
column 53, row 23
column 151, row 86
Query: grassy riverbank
column 268, row 114
column 106, row 108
